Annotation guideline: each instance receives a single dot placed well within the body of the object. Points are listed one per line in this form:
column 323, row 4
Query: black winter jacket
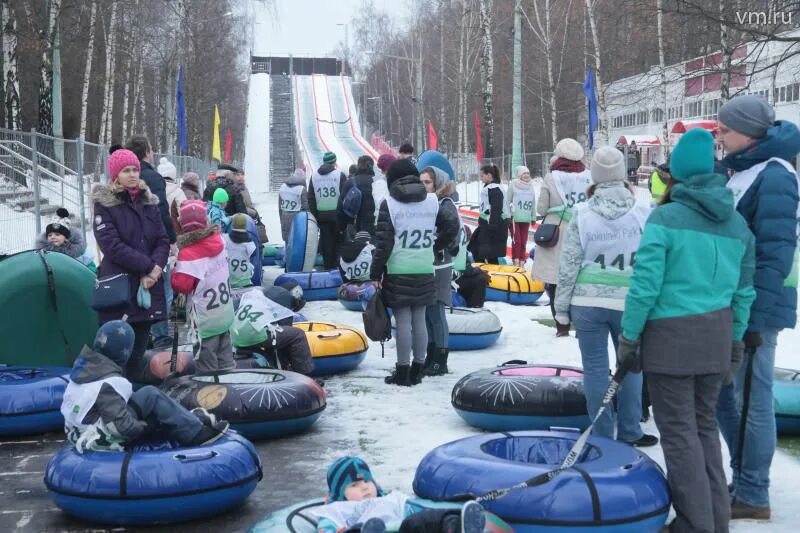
column 325, row 216
column 155, row 182
column 235, row 199
column 365, row 218
column 490, row 239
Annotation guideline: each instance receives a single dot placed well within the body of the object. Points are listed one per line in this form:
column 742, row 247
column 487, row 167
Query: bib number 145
column 618, row 261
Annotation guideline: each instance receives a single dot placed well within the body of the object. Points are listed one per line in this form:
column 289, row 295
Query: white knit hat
column 167, row 169
column 522, row 169
column 569, row 149
column 607, row 165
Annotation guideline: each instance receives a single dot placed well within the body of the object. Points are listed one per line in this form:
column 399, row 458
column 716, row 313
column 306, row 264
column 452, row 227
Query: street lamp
column 417, row 61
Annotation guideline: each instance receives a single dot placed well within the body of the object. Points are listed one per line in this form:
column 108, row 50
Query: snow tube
column 613, row 487
column 273, row 253
column 47, row 315
column 298, row 518
column 432, row 158
column 521, row 396
column 156, row 484
column 316, row 285
column 354, row 295
column 259, row 404
column 30, row 399
column 456, row 300
column 469, row 329
column 301, row 248
column 511, row 284
column 157, row 365
column 334, row 347
column 786, row 398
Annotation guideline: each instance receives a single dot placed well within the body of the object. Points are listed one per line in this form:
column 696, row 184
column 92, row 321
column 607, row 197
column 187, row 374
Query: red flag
column 228, row 145
column 478, row 137
column 433, row 139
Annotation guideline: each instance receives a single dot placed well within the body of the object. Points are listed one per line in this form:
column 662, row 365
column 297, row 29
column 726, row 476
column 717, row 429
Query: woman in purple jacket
column 131, row 236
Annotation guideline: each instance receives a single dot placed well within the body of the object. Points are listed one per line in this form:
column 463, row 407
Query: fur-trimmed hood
column 73, row 247
column 110, row 196
column 193, row 237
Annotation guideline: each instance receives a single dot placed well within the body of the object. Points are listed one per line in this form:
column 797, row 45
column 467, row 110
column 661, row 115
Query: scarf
column 567, row 165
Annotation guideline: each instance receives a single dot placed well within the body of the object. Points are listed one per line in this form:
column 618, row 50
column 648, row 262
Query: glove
column 562, row 318
column 752, row 340
column 737, row 354
column 628, row 356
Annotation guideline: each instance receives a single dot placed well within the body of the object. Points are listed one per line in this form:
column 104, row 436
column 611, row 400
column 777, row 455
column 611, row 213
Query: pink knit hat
column 120, row 159
column 385, row 161
column 192, row 215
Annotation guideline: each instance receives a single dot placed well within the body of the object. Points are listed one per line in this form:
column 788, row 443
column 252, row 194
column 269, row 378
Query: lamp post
column 417, row 61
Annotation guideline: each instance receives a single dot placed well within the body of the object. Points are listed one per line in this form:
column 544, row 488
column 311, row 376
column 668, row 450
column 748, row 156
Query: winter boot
column 400, row 376
column 438, row 364
column 417, row 371
column 429, row 355
column 209, row 434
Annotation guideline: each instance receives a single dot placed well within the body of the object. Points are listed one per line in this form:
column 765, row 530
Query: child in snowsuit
column 216, row 210
column 239, row 246
column 292, row 198
column 59, row 237
column 357, row 503
column 355, row 258
column 101, row 411
column 202, row 272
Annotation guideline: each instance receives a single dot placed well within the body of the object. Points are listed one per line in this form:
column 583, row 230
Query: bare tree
column 487, row 75
column 107, row 115
column 87, row 77
column 601, row 89
column 10, row 80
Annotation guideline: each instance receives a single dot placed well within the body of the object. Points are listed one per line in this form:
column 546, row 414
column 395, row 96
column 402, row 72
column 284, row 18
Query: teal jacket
column 696, row 256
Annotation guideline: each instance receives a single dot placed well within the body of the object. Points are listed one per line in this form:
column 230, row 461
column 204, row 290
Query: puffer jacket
column 73, row 247
column 692, row 283
column 611, row 200
column 325, row 216
column 446, row 245
column 158, row 187
column 217, row 215
column 490, row 239
column 770, row 208
column 133, row 239
column 235, row 199
column 365, row 218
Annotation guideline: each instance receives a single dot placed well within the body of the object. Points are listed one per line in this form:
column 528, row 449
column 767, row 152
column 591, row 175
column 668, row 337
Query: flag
column 183, row 146
column 215, row 151
column 591, row 101
column 476, row 120
column 228, row 145
column 433, row 139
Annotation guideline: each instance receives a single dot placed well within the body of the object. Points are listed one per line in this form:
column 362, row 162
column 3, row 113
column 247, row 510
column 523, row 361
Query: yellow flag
column 216, row 153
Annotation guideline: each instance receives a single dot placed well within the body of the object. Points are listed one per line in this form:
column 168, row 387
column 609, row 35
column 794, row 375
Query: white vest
column 290, row 198
column 572, row 187
column 326, row 190
column 240, row 269
column 741, row 182
column 211, row 303
column 486, row 207
column 359, row 268
column 80, row 398
column 523, row 199
column 253, row 317
column 414, row 230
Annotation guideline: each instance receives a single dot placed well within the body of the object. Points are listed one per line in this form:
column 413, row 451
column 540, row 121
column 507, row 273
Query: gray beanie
column 607, row 165
column 750, row 115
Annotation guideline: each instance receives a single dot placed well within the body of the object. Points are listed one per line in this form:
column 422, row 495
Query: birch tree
column 442, row 118
column 46, row 65
column 10, row 79
column 487, row 75
column 107, row 115
column 601, row 89
column 87, row 76
column 663, row 70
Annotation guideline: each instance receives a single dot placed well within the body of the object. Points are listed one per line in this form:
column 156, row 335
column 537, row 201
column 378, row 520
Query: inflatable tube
column 354, row 295
column 273, row 253
column 786, row 394
column 517, row 397
column 259, row 404
column 334, row 347
column 456, row 300
column 158, row 362
column 47, row 315
column 301, row 247
column 316, row 285
column 469, row 329
column 511, row 284
column 613, row 487
column 157, row 484
column 298, row 518
column 30, row 399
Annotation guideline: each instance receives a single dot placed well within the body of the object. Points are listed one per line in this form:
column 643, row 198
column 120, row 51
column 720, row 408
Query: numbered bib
column 460, row 260
column 523, row 198
column 358, row 269
column 79, row 399
column 414, row 231
column 240, row 269
column 290, row 198
column 254, row 314
column 486, row 208
column 211, row 301
column 572, row 187
column 326, row 189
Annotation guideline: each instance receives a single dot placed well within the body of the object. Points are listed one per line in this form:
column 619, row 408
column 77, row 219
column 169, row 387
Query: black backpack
column 377, row 324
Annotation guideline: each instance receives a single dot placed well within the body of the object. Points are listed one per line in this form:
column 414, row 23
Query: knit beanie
column 167, row 169
column 608, row 164
column 569, row 149
column 522, row 169
column 192, row 215
column 400, row 169
column 115, row 340
column 750, row 115
column 191, row 178
column 344, row 471
column 221, row 196
column 239, row 223
column 693, row 155
column 61, row 224
column 120, row 159
column 385, row 161
column 329, row 158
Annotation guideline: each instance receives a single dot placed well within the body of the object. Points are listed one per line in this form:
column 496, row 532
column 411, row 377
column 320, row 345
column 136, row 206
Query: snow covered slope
column 256, row 154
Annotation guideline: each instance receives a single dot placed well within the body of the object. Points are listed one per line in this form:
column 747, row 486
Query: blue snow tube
column 354, row 295
column 301, row 247
column 613, row 487
column 30, row 399
column 786, row 398
column 456, row 300
column 432, row 158
column 155, row 484
column 525, row 397
column 273, row 253
column 322, row 285
column 469, row 329
column 259, row 403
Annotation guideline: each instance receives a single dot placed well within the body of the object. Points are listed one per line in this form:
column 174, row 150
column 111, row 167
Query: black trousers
column 328, row 243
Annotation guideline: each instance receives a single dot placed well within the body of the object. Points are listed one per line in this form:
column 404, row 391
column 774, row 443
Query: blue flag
column 183, row 146
column 591, row 101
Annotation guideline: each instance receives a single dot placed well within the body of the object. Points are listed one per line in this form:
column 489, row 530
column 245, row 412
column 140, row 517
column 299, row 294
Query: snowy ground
column 394, row 427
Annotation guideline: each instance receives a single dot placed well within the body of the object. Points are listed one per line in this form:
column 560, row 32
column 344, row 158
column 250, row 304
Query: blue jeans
column 165, row 417
column 436, row 321
column 751, row 481
column 593, row 326
column 160, row 330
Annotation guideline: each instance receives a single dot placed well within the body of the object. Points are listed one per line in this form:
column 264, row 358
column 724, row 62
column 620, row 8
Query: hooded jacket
column 491, row 237
column 195, row 244
column 74, row 247
column 325, row 216
column 235, row 199
column 365, row 218
column 770, row 209
column 133, row 239
column 446, row 245
column 692, row 280
column 158, row 187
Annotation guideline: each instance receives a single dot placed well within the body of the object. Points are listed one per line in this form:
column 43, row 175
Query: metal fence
column 467, row 166
column 40, row 173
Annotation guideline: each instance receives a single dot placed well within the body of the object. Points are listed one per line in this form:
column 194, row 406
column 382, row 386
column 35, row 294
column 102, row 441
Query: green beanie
column 693, row 155
column 329, row 158
column 221, row 196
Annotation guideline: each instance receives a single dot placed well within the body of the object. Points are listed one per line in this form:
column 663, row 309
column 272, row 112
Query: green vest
column 657, row 187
